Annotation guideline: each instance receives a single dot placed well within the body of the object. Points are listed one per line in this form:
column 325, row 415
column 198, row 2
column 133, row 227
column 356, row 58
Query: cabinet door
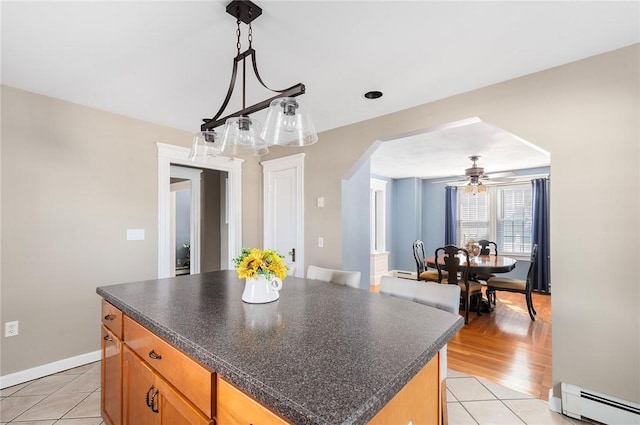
column 175, row 409
column 111, row 378
column 418, row 402
column 139, row 392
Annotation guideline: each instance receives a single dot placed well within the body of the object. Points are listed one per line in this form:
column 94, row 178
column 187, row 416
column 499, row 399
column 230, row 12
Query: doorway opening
column 215, row 239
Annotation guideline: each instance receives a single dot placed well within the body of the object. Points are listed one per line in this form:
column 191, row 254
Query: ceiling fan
column 475, row 177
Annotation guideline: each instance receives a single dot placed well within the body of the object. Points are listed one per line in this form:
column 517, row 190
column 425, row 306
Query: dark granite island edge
column 142, row 301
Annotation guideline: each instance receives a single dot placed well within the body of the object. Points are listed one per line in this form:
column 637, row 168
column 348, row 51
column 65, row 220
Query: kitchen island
column 321, row 354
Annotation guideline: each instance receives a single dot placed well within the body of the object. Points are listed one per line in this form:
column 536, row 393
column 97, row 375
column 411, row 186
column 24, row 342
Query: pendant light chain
column 250, row 36
column 238, row 45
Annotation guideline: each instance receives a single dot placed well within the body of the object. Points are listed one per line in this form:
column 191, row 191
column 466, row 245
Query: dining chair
column 423, row 272
column 339, row 277
column 485, row 249
column 448, row 259
column 516, row 285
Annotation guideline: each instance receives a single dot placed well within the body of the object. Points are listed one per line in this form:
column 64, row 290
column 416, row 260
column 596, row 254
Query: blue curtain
column 451, row 206
column 540, row 233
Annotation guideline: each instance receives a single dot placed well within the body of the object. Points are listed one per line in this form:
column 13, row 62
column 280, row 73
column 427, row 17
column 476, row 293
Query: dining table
column 480, row 265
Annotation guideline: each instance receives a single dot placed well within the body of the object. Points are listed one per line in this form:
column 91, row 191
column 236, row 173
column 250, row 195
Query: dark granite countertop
column 321, row 354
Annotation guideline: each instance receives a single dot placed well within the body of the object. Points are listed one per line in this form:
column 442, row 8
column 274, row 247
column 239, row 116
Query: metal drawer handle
column 147, row 396
column 155, row 356
column 109, row 317
column 153, row 406
column 108, row 338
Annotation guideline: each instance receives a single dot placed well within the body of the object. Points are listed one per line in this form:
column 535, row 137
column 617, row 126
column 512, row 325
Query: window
column 501, row 214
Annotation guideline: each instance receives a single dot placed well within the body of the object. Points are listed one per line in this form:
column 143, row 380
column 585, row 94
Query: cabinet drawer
column 237, row 408
column 112, row 318
column 189, row 377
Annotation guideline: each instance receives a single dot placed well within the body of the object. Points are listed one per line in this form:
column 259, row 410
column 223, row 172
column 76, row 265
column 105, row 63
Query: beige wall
column 74, row 179
column 586, row 114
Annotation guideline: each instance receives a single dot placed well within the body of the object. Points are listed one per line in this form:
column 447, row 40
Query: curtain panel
column 540, row 234
column 451, row 215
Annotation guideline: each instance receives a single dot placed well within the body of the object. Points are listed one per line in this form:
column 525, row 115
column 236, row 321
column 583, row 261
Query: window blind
column 514, row 221
column 473, row 216
column 503, row 214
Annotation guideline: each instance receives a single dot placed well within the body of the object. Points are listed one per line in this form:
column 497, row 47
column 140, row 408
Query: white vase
column 261, row 290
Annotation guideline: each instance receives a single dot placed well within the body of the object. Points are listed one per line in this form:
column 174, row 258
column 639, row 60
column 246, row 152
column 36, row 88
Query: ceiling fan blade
column 499, row 179
column 502, row 174
column 451, row 180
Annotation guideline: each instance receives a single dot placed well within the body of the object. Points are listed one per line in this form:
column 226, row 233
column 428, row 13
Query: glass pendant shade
column 474, row 188
column 205, row 144
column 288, row 124
column 241, row 136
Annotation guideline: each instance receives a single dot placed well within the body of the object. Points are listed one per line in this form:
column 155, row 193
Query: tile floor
column 72, row 397
column 477, row 401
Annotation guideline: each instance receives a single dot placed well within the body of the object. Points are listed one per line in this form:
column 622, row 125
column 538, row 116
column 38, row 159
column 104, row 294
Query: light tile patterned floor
column 476, row 401
column 73, row 398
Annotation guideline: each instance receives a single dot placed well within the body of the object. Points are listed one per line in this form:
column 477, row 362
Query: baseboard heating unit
column 581, row 403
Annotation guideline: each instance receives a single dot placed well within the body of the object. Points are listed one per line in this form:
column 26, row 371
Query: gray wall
column 407, row 225
column 355, row 225
column 183, row 222
column 212, row 219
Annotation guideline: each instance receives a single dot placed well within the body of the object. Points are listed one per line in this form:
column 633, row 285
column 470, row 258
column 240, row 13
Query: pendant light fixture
column 288, row 122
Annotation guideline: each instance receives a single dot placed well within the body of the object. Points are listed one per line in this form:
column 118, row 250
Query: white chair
column 441, row 296
column 339, row 277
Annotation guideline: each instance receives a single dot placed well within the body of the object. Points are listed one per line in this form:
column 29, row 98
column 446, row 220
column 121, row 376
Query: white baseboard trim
column 48, row 369
column 555, row 403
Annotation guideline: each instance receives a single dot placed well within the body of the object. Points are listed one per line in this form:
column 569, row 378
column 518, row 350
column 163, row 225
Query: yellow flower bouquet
column 254, row 262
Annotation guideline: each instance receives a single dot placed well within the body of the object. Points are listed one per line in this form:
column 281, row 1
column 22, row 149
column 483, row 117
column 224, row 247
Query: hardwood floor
column 506, row 347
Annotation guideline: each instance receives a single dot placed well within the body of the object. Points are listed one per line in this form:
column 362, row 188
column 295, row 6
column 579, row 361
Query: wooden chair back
column 532, row 268
column 485, row 247
column 451, row 256
column 418, row 255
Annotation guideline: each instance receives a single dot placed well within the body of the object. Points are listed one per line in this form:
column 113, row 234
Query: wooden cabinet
column 418, row 402
column 111, row 378
column 147, row 381
column 150, row 400
column 236, row 408
column 193, row 380
column 111, row 365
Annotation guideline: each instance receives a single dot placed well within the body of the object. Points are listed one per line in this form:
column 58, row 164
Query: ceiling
column 169, row 62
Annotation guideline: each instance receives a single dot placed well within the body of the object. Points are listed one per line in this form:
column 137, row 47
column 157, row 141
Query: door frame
column 177, row 155
column 292, row 161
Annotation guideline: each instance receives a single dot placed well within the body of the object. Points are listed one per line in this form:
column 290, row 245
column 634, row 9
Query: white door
column 284, row 209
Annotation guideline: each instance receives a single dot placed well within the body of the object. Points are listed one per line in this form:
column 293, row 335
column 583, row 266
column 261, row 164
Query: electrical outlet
column 11, row 328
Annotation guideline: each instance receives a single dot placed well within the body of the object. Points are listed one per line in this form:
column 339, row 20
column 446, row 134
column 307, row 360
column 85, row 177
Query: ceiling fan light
column 241, row 137
column 288, row 123
column 468, row 189
column 205, row 144
column 481, row 188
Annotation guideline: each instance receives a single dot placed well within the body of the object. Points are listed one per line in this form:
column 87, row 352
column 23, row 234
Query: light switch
column 320, row 242
column 135, row 234
column 320, row 202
